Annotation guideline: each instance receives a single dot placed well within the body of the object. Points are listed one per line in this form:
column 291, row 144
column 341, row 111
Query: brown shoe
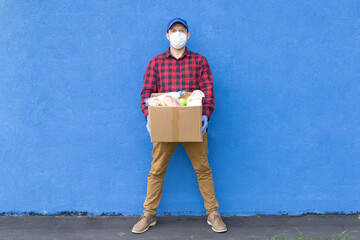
column 145, row 221
column 216, row 223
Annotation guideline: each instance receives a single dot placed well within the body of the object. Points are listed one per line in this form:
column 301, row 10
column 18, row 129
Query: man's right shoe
column 145, row 221
column 215, row 221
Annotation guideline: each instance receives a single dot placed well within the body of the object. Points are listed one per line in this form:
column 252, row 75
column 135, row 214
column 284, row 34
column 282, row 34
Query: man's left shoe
column 216, row 223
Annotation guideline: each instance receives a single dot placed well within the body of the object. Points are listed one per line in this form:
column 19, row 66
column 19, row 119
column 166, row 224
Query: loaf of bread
column 156, row 102
column 170, row 101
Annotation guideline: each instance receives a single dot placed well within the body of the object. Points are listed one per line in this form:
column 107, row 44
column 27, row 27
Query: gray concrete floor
column 174, row 227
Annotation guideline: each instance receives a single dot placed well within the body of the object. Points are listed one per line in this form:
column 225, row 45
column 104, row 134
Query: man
column 174, row 70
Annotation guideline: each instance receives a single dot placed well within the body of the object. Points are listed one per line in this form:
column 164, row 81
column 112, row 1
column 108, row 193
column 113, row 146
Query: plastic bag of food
column 195, row 102
column 153, row 101
column 170, row 101
column 162, row 100
column 195, row 98
column 196, row 94
column 181, row 98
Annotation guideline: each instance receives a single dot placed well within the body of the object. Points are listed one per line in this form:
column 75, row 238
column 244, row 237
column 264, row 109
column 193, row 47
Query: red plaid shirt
column 191, row 71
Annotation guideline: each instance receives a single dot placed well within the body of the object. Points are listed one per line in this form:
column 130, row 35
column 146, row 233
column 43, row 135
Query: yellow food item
column 185, row 95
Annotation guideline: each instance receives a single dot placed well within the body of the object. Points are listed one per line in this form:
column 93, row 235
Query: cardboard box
column 175, row 123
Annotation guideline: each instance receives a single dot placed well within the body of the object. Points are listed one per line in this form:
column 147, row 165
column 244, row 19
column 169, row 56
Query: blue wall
column 284, row 136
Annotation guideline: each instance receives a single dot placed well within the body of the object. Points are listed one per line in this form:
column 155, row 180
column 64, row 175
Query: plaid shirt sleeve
column 207, row 87
column 149, row 85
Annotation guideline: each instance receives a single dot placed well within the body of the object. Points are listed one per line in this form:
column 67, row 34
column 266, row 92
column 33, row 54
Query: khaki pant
column 197, row 152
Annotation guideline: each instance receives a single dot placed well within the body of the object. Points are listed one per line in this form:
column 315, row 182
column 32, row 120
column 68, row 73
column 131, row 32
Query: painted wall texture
column 284, row 136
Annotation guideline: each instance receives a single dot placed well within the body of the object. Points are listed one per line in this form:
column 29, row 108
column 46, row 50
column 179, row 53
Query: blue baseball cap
column 177, row 20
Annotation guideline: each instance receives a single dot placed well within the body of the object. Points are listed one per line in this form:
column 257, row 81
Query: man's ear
column 188, row 36
column 168, row 36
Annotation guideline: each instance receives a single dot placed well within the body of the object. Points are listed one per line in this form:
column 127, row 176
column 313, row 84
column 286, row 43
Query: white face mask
column 178, row 40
